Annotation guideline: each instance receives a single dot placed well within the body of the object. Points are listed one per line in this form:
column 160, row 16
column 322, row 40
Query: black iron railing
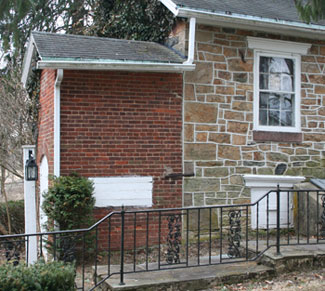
column 137, row 241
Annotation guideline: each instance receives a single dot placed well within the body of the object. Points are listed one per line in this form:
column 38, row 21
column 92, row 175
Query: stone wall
column 218, row 119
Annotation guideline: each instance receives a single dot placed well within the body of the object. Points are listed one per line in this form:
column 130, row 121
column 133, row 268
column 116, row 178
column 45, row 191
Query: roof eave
column 254, row 23
column 28, row 58
column 115, row 66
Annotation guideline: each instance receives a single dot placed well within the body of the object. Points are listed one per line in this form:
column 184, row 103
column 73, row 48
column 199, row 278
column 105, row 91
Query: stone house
column 155, row 129
column 254, row 105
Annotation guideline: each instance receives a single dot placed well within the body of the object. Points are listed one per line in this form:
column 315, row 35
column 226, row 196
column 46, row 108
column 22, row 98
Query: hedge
column 53, row 276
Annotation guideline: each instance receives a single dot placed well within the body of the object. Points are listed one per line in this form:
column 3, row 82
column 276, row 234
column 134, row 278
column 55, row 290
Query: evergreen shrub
column 54, row 276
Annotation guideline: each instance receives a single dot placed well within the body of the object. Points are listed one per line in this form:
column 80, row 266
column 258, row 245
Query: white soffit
column 266, row 44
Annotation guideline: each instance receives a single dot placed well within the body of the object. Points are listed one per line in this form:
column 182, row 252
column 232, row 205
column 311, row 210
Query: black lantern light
column 31, row 169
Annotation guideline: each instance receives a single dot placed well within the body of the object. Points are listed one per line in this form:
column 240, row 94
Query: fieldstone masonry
column 218, row 119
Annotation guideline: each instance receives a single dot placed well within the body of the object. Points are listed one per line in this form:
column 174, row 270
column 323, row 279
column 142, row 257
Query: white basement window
column 277, row 84
column 127, row 191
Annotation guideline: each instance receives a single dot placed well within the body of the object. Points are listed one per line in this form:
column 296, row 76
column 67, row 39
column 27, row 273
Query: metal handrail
column 173, row 223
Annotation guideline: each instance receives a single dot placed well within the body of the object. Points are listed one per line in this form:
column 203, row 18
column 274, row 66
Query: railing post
column 122, row 247
column 278, row 220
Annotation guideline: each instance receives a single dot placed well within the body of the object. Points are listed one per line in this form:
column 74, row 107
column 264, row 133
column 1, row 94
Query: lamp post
column 31, row 176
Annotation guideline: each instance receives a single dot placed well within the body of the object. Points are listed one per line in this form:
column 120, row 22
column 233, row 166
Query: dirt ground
column 306, row 280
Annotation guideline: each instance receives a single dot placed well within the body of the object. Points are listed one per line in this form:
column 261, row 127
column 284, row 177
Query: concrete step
column 204, row 277
column 194, row 278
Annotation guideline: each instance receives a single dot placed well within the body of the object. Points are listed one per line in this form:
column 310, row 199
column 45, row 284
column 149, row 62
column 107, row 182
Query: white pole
column 30, row 210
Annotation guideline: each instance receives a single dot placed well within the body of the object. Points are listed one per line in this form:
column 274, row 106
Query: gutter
column 114, row 65
column 57, row 112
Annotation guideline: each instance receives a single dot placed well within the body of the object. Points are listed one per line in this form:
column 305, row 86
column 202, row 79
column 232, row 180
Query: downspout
column 191, row 42
column 57, row 98
column 189, row 61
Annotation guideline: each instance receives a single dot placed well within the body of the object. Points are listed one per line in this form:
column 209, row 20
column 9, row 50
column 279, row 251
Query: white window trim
column 284, row 49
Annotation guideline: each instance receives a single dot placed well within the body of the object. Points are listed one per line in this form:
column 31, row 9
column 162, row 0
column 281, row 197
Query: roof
column 65, row 46
column 274, row 16
column 273, row 9
column 66, row 51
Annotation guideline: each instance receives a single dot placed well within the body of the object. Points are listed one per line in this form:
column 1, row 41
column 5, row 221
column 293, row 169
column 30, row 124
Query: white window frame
column 279, row 49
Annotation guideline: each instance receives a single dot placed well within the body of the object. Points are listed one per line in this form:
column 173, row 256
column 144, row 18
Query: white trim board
column 278, row 45
column 127, row 191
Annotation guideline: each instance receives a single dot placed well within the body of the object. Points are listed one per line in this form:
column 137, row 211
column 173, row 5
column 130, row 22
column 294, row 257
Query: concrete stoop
column 196, row 278
column 205, row 277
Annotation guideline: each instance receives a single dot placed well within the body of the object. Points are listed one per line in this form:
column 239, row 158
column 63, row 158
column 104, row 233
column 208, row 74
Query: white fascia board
column 115, row 66
column 271, row 180
column 254, row 23
column 265, row 44
column 171, row 6
column 28, row 60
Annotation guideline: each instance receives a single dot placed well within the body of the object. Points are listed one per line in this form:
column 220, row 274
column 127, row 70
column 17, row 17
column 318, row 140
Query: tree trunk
column 3, row 191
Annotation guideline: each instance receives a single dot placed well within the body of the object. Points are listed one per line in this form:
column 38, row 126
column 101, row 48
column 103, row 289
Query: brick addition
column 117, row 124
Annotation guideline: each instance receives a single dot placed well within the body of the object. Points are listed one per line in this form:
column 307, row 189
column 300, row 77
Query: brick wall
column 117, row 124
column 45, row 142
column 218, row 119
column 124, row 124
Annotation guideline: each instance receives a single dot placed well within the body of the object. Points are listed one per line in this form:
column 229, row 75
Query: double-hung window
column 277, row 84
column 277, row 92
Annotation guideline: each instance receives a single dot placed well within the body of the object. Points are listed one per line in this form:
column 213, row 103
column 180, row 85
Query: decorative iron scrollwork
column 13, row 251
column 322, row 218
column 234, row 234
column 173, row 239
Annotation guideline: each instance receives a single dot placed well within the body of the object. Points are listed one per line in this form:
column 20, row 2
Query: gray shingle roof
column 65, row 46
column 272, row 9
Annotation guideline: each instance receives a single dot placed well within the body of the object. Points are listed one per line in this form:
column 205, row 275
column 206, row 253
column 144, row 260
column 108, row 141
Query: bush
column 69, row 202
column 40, row 276
column 69, row 205
column 17, row 216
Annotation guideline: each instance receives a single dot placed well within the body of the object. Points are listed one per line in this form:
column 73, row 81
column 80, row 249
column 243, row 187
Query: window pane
column 286, row 118
column 275, row 82
column 274, row 117
column 286, row 83
column 264, row 64
column 274, row 101
column 286, row 102
column 264, row 81
column 290, row 65
column 264, row 100
column 278, row 65
column 263, row 117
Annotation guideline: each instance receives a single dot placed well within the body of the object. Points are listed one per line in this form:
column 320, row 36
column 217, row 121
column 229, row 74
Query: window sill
column 264, row 136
